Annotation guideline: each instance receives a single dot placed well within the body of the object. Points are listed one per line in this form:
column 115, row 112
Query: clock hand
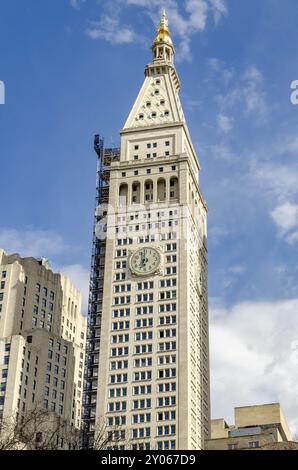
column 142, row 260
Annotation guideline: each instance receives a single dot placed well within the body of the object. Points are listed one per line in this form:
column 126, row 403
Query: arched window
column 174, row 189
column 161, row 190
column 148, row 191
column 123, row 194
column 136, row 193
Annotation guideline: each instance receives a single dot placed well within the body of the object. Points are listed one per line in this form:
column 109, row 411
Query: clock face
column 145, row 261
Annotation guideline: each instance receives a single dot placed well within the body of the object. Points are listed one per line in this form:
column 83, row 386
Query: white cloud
column 185, row 21
column 223, row 72
column 79, row 276
column 238, row 269
column 285, row 216
column 217, row 234
column 76, row 3
column 225, row 123
column 230, row 275
column 247, row 91
column 251, row 351
column 279, row 180
column 42, row 244
column 31, row 242
column 219, row 9
column 254, row 92
column 292, row 239
column 109, row 28
column 292, row 145
column 222, row 152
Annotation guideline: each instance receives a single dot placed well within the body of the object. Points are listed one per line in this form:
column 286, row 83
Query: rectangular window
column 254, row 445
column 232, row 446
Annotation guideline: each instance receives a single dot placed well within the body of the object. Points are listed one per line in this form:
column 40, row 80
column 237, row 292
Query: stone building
column 256, row 427
column 42, row 341
column 148, row 353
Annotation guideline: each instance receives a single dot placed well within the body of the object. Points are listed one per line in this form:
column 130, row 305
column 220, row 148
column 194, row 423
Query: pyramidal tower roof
column 158, row 101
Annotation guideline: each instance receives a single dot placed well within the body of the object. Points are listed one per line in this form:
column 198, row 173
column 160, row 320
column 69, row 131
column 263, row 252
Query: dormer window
column 162, row 102
column 156, row 92
column 148, row 104
column 157, row 81
column 153, row 115
column 141, row 116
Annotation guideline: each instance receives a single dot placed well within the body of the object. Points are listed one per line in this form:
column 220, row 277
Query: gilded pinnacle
column 163, row 34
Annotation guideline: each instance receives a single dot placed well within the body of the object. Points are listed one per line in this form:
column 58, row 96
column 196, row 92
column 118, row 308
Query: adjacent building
column 148, row 355
column 256, row 427
column 42, row 341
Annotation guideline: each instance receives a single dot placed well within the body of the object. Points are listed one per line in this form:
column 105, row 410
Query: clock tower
column 153, row 374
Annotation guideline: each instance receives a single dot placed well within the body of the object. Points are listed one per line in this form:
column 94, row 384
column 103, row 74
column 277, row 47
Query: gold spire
column 163, row 34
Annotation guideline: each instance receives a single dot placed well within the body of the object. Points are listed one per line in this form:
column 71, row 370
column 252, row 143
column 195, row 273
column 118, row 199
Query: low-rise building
column 255, row 427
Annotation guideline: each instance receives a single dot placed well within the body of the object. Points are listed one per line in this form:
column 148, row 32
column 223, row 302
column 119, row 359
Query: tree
column 41, row 429
column 37, row 429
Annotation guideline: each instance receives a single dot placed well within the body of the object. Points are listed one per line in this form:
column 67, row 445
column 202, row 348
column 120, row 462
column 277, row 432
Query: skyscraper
column 148, row 358
column 42, row 343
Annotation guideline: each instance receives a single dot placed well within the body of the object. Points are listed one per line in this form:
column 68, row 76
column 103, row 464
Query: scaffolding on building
column 104, row 159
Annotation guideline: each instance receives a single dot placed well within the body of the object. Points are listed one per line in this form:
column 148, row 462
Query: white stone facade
column 154, row 354
column 42, row 340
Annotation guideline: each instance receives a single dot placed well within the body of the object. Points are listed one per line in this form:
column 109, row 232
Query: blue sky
column 73, row 68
